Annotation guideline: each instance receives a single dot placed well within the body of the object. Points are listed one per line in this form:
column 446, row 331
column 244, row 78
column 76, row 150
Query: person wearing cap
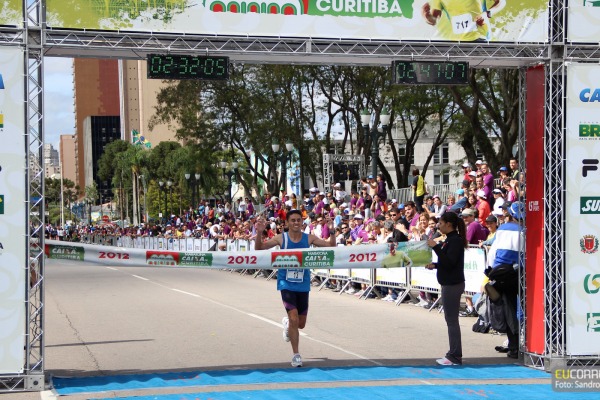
column 503, row 261
column 492, row 225
column 418, row 188
column 498, row 202
column 503, row 172
column 483, row 207
column 466, row 169
column 461, row 201
column 294, row 283
column 358, row 234
column 475, row 231
column 338, row 193
column 478, row 164
column 471, row 176
column 450, row 272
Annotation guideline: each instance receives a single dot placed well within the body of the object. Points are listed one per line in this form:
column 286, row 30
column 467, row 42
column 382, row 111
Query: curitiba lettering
column 66, row 253
column 318, row 259
column 192, row 259
column 363, row 8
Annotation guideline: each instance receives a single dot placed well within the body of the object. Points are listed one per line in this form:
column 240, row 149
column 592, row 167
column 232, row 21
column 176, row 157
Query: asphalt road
column 111, row 321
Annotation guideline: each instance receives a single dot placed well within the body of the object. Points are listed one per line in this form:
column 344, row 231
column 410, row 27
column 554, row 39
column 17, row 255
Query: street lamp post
column 169, row 199
column 187, row 183
column 289, row 146
column 143, row 178
column 161, row 184
column 365, row 118
column 229, row 174
column 196, row 191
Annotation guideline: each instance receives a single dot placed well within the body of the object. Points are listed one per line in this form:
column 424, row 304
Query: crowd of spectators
column 361, row 216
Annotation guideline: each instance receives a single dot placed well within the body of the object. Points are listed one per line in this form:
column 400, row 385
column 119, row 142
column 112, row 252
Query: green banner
column 58, row 252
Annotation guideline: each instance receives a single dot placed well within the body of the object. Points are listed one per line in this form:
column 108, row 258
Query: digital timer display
column 429, row 73
column 187, row 67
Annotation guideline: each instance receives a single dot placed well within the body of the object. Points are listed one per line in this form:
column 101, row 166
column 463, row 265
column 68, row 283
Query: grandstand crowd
column 360, row 216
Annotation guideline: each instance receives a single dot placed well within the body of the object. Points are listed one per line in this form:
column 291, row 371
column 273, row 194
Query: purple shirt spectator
column 476, row 232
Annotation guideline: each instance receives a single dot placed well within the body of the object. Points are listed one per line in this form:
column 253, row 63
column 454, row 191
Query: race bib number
column 294, row 275
column 463, row 24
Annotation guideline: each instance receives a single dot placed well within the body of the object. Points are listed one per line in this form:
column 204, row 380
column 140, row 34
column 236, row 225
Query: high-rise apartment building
column 66, row 151
column 139, row 102
column 96, row 91
column 116, row 89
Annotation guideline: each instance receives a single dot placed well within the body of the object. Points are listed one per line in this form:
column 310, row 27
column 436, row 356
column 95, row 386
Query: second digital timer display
column 187, row 67
column 430, row 73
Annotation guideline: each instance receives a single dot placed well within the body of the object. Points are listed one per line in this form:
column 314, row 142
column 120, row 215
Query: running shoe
column 444, row 361
column 286, row 323
column 296, row 360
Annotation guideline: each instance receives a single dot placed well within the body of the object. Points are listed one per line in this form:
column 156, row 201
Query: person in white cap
column 466, row 170
column 483, row 207
column 338, row 193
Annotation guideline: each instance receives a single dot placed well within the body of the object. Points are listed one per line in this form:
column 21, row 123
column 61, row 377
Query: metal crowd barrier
column 406, row 279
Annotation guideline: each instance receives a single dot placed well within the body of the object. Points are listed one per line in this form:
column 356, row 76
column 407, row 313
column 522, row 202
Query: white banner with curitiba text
column 367, row 256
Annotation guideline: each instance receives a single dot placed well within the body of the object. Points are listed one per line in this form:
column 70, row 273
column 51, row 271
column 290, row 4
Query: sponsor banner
column 474, row 269
column 58, row 252
column 394, row 20
column 355, row 257
column 584, row 21
column 535, row 276
column 582, row 193
column 13, row 250
column 11, row 12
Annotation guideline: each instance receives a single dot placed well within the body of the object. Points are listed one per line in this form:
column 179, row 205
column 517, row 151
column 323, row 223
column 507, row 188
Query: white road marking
column 114, row 269
column 184, row 292
column 141, row 277
column 270, row 322
column 265, row 320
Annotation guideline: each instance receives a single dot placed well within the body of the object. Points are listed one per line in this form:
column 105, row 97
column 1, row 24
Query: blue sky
column 59, row 114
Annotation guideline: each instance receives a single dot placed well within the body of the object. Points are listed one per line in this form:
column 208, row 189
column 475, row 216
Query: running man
column 294, row 284
column 462, row 20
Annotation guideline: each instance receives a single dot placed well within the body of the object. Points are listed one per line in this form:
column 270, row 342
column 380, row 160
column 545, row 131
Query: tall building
column 66, row 151
column 98, row 132
column 51, row 161
column 96, row 91
column 115, row 89
column 139, row 102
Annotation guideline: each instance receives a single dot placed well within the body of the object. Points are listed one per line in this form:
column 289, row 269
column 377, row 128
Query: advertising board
column 453, row 20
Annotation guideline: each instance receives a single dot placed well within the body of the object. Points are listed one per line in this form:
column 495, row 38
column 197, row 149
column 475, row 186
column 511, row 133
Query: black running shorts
column 297, row 300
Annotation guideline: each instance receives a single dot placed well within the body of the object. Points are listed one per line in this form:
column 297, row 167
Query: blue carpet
column 65, row 386
column 442, row 392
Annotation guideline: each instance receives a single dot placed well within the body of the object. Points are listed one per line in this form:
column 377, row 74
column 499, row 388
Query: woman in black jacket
column 451, row 276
